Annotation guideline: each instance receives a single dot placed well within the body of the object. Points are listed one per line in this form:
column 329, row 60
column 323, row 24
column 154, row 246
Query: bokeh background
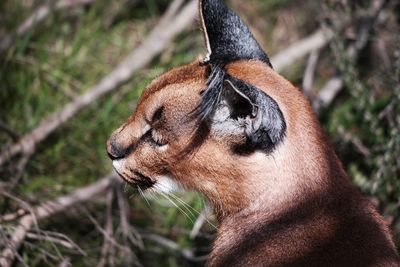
column 344, row 54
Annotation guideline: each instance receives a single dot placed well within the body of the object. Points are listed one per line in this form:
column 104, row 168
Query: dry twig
column 169, row 244
column 46, row 210
column 65, row 242
column 12, row 216
column 107, row 250
column 129, row 233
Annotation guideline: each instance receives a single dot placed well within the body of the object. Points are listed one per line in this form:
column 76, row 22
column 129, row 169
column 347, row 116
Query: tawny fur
column 293, row 207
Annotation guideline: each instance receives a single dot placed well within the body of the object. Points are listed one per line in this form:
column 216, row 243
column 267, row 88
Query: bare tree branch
column 65, row 263
column 333, row 87
column 62, row 242
column 169, row 26
column 108, row 247
column 201, row 220
column 328, row 93
column 300, row 49
column 13, row 134
column 129, row 233
column 38, row 16
column 186, row 253
column 49, row 208
column 12, row 216
column 309, row 73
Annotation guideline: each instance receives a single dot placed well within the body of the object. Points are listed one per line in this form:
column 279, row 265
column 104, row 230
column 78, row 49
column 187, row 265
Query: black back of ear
column 264, row 126
column 227, row 37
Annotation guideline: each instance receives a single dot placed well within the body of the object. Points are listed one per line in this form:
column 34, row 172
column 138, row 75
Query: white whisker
column 142, row 194
column 177, row 206
column 185, row 205
column 189, row 208
column 200, row 214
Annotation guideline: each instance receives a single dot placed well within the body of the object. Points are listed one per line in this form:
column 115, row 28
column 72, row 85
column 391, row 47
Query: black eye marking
column 158, row 114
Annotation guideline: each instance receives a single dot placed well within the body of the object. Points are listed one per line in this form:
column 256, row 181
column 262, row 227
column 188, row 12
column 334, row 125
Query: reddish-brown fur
column 293, row 207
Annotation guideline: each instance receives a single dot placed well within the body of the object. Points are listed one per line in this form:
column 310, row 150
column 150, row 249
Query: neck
column 274, row 183
column 313, row 208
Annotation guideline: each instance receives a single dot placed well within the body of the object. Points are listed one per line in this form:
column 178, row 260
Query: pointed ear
column 252, row 112
column 227, row 37
column 240, row 105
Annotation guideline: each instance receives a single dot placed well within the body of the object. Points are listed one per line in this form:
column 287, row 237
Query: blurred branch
column 115, row 8
column 333, row 87
column 201, row 220
column 65, row 263
column 169, row 26
column 65, row 242
column 48, row 209
column 309, row 73
column 5, row 128
column 316, row 41
column 107, row 250
column 171, row 245
column 128, row 232
column 12, row 216
column 328, row 93
column 108, row 235
column 356, row 141
column 37, row 17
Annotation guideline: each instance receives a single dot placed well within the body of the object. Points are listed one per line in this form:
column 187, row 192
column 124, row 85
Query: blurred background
column 71, row 72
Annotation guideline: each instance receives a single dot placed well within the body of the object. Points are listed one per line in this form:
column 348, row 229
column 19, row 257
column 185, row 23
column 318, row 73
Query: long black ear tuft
column 211, row 96
column 227, row 37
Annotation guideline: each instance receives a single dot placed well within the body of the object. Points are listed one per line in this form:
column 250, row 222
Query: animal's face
column 203, row 126
column 149, row 146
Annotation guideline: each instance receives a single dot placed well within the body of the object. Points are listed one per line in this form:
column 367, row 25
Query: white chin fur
column 117, row 164
column 166, row 185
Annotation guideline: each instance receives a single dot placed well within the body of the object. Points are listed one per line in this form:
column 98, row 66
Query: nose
column 115, row 150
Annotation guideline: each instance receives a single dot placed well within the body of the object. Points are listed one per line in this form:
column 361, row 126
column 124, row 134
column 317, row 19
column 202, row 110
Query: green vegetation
column 74, row 49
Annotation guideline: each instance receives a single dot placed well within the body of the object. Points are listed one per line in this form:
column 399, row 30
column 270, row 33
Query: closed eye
column 154, row 138
column 157, row 115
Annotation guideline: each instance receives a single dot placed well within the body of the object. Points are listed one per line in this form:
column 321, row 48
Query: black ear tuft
column 227, row 37
column 265, row 125
column 211, row 96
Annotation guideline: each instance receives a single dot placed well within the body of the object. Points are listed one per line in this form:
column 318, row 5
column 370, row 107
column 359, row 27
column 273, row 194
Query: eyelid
column 156, row 141
column 157, row 114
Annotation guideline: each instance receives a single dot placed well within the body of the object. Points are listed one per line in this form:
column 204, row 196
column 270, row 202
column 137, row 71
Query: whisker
column 188, row 207
column 142, row 194
column 200, row 214
column 177, row 206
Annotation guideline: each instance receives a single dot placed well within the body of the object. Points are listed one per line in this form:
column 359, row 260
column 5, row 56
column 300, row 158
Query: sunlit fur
column 292, row 207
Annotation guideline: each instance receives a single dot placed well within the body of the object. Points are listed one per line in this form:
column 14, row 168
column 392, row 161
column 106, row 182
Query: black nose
column 112, row 156
column 115, row 151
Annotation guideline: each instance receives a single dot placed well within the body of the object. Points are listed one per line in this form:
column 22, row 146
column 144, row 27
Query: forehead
column 186, row 74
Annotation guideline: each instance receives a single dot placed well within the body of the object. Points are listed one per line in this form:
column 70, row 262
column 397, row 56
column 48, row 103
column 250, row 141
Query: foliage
column 72, row 50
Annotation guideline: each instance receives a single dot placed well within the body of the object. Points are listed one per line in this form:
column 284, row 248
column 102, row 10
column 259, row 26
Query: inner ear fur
column 265, row 125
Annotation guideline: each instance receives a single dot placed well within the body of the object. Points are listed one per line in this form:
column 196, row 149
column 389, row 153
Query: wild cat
column 233, row 129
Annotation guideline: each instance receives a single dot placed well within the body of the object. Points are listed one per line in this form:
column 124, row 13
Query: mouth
column 133, row 178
